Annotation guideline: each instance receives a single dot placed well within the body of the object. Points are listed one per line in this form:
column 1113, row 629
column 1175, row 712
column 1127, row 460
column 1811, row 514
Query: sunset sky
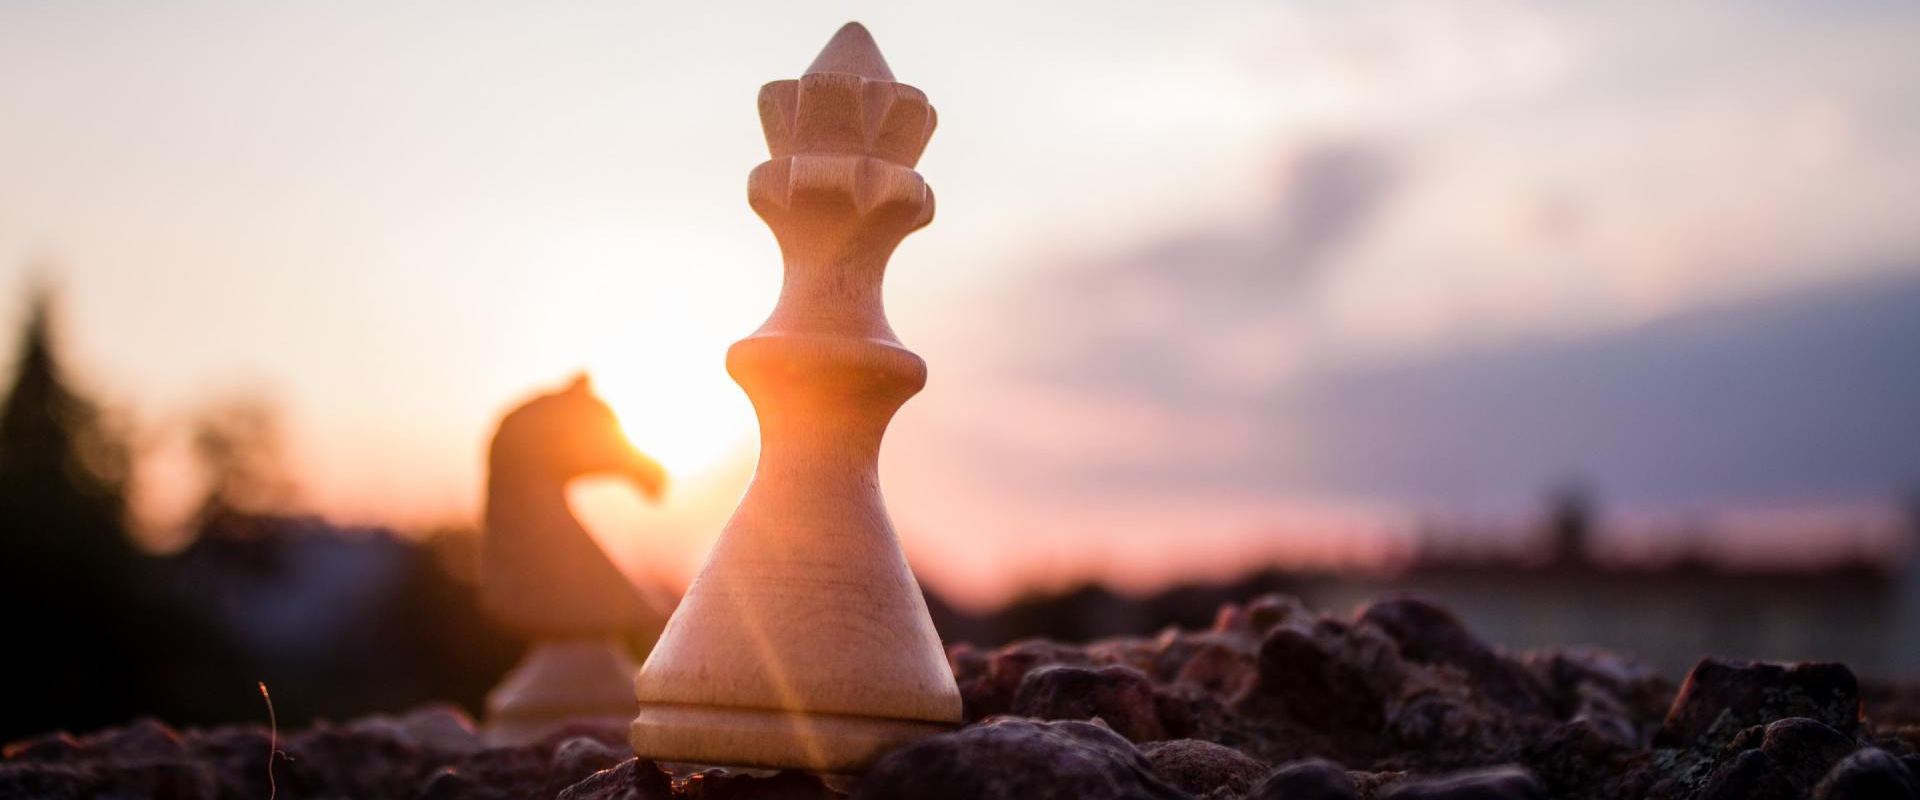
column 1209, row 283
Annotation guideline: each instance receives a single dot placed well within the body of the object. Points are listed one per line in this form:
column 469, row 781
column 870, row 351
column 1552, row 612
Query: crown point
column 852, row 51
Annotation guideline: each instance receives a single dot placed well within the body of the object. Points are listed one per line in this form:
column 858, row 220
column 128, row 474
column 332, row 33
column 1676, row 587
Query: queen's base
column 751, row 737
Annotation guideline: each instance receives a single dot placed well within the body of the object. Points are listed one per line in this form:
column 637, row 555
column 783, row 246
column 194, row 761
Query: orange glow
column 660, row 324
column 690, row 423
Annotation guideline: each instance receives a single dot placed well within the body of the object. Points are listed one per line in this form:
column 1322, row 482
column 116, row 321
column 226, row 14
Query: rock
column 48, row 748
column 535, row 770
column 575, row 759
column 1313, row 779
column 1749, row 775
column 1721, row 698
column 1121, row 696
column 1433, row 719
column 992, row 693
column 1304, row 677
column 1615, row 691
column 1404, row 694
column 1016, row 758
column 1869, row 774
column 1125, row 651
column 47, row 781
column 160, row 780
column 1578, row 759
column 1259, row 615
column 969, row 663
column 719, row 784
column 444, row 731
column 611, row 734
column 144, row 739
column 448, row 784
column 1203, row 768
column 631, row 779
column 1499, row 783
column 329, row 761
column 1429, row 634
column 237, row 757
column 1806, row 748
column 1218, row 668
column 1782, row 759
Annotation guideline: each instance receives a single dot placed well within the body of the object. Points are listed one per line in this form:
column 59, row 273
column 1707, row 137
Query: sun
column 689, row 422
column 672, row 394
column 652, row 314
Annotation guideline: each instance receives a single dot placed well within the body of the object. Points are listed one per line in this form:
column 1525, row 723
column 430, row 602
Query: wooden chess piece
column 805, row 641
column 545, row 577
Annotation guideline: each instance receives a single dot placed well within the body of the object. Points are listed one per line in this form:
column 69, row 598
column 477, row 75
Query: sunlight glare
column 662, row 367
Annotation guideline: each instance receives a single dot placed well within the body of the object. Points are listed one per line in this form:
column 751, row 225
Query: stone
column 1010, row 758
column 1304, row 677
column 992, row 692
column 1203, row 768
column 448, row 784
column 1615, row 691
column 519, row 771
column 443, row 731
column 1312, row 779
column 1869, row 774
column 1429, row 634
column 720, row 784
column 1428, row 720
column 145, row 739
column 344, row 762
column 1781, row 759
column 577, row 758
column 1259, row 615
column 1579, row 759
column 47, row 781
column 1121, row 696
column 1218, row 668
column 1721, row 698
column 47, row 748
column 1749, row 775
column 632, row 779
column 1805, row 748
column 1499, row 783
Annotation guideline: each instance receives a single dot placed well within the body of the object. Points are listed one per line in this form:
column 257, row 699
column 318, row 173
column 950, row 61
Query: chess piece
column 545, row 577
column 805, row 641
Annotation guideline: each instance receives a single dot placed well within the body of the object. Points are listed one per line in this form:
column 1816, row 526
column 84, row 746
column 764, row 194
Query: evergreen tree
column 75, row 587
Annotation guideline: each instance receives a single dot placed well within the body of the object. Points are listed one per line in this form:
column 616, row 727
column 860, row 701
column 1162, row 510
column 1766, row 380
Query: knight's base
column 561, row 682
column 750, row 737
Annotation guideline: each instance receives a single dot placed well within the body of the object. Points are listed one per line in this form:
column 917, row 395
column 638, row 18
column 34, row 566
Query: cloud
column 1806, row 395
column 1186, row 313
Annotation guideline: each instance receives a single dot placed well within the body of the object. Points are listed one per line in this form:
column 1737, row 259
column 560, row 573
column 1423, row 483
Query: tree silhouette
column 236, row 439
column 72, row 582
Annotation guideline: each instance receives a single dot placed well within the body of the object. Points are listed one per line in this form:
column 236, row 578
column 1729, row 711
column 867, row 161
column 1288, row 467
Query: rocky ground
column 1272, row 702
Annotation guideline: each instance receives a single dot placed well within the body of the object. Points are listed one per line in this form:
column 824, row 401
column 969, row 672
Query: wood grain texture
column 805, row 641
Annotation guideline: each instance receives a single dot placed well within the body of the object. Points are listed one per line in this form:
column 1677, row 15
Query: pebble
column 1869, row 774
column 1313, row 779
column 1120, row 696
column 1499, row 783
column 1204, row 768
column 1017, row 759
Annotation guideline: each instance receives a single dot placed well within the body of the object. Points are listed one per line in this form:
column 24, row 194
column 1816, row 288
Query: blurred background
column 1596, row 322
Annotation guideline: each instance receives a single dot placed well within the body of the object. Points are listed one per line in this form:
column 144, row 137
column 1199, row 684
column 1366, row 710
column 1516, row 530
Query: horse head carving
column 542, row 573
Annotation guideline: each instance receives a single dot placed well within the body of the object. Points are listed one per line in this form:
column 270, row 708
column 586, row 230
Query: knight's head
column 568, row 434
